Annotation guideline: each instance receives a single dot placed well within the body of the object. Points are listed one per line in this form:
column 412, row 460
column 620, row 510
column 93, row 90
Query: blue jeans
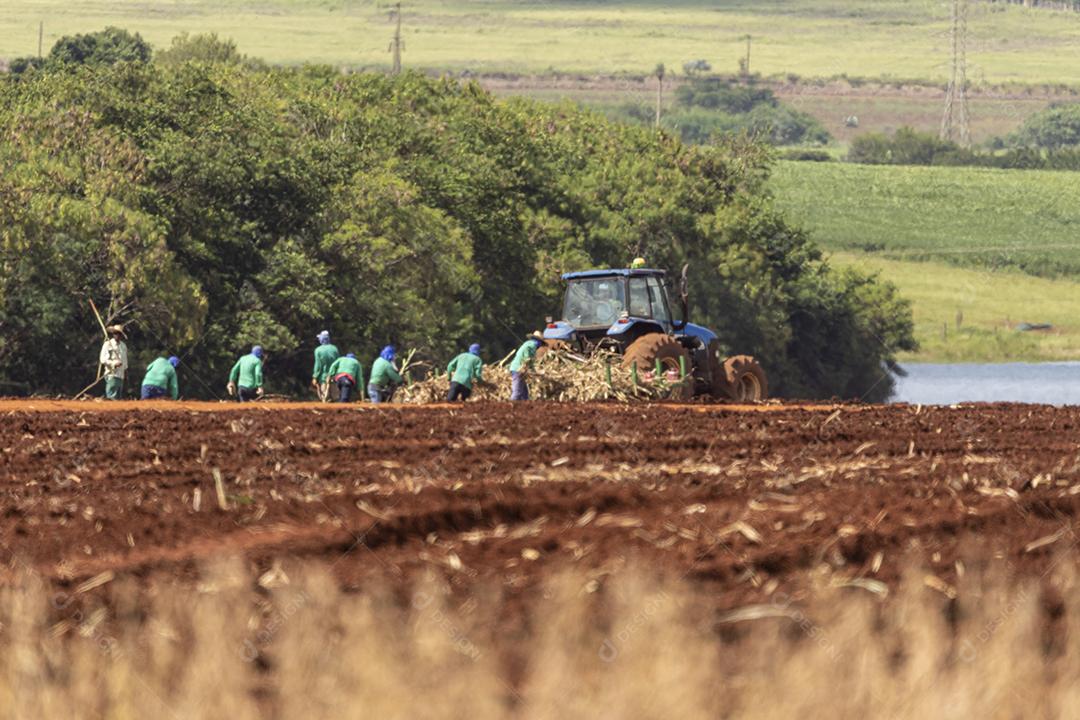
column 344, row 386
column 152, row 392
column 379, row 395
column 244, row 394
column 519, row 390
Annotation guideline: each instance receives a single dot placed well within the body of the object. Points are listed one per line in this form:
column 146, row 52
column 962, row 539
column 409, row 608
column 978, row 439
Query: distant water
column 1055, row 383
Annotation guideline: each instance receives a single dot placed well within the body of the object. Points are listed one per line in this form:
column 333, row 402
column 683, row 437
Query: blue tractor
column 628, row 311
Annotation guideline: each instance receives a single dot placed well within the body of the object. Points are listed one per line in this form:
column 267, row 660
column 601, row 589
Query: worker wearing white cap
column 114, row 358
column 325, row 355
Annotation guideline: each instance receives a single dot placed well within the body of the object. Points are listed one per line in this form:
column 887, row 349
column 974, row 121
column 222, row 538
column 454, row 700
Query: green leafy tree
column 1055, row 128
column 105, row 47
column 212, row 205
column 202, row 47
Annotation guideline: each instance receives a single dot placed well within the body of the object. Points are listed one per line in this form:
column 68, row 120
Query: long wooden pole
column 100, row 374
column 99, row 320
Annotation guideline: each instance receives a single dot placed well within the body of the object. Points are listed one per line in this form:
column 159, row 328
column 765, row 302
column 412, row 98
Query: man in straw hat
column 114, row 358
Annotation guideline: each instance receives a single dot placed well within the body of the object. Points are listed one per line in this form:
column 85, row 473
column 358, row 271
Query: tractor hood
column 704, row 334
column 559, row 330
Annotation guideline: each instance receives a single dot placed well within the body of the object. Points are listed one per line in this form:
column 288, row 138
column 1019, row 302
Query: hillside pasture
column 810, row 38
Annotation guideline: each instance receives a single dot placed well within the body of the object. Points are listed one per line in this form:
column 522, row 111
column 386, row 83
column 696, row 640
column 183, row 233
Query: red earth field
column 748, row 500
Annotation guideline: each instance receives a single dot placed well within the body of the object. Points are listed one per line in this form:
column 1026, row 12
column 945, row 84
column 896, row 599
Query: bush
column 910, row 147
column 906, row 147
column 803, row 155
column 722, row 94
column 708, row 107
column 201, row 48
column 1052, row 129
column 106, row 47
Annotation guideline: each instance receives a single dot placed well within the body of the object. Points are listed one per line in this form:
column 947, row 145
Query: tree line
column 211, row 204
column 1048, row 140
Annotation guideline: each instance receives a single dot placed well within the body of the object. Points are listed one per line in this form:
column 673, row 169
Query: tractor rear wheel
column 647, row 350
column 745, row 379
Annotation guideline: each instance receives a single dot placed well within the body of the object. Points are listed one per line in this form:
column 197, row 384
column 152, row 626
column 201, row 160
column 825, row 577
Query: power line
column 956, row 124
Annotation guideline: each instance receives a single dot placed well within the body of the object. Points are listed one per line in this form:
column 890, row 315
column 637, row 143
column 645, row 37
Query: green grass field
column 971, row 315
column 916, row 225
column 1022, row 219
column 812, row 38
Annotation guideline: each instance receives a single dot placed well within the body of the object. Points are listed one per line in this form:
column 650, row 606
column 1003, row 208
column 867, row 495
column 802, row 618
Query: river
column 1056, row 383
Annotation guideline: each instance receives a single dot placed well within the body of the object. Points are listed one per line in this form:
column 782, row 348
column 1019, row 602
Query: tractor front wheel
column 647, row 350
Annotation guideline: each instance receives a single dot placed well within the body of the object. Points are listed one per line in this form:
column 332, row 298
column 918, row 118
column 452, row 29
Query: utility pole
column 956, row 125
column 396, row 46
column 660, row 71
column 40, row 36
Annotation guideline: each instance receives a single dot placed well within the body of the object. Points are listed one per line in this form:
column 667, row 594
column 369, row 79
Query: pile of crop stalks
column 558, row 375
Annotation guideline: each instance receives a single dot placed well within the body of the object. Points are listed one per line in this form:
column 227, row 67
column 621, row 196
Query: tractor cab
column 601, row 303
column 615, row 307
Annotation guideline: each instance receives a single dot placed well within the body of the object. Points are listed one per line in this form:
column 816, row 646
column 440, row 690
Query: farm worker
column 160, row 378
column 348, row 374
column 463, row 370
column 325, row 355
column 114, row 358
column 521, row 364
column 246, row 378
column 384, row 377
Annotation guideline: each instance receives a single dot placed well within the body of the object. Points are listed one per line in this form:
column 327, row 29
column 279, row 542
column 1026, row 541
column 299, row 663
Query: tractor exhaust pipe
column 684, row 298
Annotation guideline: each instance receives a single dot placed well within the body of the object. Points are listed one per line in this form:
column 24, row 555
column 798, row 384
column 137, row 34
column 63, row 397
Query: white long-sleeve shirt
column 114, row 357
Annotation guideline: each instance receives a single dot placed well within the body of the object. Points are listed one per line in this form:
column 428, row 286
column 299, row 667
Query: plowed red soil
column 750, row 500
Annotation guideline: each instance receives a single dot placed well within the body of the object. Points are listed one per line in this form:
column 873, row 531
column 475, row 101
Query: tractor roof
column 621, row 272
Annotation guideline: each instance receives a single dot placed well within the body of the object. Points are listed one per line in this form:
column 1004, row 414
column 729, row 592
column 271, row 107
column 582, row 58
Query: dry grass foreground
column 631, row 647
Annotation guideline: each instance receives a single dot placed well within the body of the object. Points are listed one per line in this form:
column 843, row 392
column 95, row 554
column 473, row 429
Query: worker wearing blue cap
column 246, row 378
column 463, row 370
column 384, row 377
column 160, row 379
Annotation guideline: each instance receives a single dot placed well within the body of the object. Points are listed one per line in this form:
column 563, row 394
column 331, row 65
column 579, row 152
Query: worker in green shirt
column 348, row 374
column 384, row 377
column 463, row 370
column 160, row 379
column 521, row 364
column 325, row 355
column 246, row 378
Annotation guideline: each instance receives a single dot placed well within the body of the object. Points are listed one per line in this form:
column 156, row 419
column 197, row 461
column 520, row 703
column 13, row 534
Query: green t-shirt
column 524, row 356
column 162, row 374
column 383, row 374
column 247, row 373
column 325, row 355
column 465, row 368
column 349, row 366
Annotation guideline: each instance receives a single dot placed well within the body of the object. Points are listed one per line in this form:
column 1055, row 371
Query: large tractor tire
column 647, row 349
column 743, row 380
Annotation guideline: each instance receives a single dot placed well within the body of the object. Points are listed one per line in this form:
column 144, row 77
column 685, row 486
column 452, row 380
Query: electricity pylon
column 956, row 125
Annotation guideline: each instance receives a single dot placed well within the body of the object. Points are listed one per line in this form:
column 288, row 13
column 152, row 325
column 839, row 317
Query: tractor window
column 656, row 299
column 639, row 298
column 594, row 302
